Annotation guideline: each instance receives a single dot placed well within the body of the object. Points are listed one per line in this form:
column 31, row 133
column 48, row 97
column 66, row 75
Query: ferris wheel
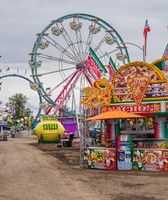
column 72, row 48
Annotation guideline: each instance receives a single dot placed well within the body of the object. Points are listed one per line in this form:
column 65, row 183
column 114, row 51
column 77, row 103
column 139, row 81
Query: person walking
column 94, row 135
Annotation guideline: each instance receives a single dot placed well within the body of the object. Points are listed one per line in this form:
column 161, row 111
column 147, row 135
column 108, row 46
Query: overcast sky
column 21, row 20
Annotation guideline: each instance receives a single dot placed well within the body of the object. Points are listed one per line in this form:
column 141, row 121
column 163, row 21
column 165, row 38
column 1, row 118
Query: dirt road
column 27, row 173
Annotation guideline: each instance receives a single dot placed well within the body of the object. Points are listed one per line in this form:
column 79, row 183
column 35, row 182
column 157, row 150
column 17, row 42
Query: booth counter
column 100, row 158
column 150, row 159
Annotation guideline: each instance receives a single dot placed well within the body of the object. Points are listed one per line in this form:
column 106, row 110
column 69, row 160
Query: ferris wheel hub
column 84, row 64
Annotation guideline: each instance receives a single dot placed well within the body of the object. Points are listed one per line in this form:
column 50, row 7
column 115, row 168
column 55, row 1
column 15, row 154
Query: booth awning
column 114, row 115
column 146, row 114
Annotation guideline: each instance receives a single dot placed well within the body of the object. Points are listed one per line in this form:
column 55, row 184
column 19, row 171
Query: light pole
column 141, row 48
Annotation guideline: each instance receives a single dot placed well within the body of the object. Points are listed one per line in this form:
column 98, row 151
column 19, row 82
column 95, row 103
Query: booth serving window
column 138, row 128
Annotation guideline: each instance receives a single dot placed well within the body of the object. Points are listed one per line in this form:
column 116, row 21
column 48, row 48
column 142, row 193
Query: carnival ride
column 71, row 53
column 49, row 130
column 68, row 55
column 32, row 86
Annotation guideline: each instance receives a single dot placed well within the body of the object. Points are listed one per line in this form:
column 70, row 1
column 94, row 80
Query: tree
column 17, row 104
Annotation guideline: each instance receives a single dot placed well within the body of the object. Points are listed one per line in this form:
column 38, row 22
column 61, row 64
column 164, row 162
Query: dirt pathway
column 27, row 173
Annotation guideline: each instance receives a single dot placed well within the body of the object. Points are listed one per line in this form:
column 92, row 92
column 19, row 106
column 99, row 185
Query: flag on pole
column 146, row 30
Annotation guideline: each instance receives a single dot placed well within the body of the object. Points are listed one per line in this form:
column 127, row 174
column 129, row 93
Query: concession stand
column 135, row 133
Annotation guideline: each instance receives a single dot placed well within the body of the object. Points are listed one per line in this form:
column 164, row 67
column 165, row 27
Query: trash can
column 4, row 137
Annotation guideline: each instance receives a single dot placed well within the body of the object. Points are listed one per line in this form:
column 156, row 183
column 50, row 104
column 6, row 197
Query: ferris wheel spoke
column 66, row 90
column 70, row 43
column 100, row 43
column 79, row 41
column 92, row 30
column 69, row 88
column 88, row 43
column 108, row 53
column 88, row 78
column 56, row 59
column 61, row 83
column 55, row 71
column 79, row 45
column 60, row 48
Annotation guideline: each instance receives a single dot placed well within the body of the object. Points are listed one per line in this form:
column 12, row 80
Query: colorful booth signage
column 126, row 83
column 160, row 128
column 150, row 160
column 138, row 86
column 98, row 95
column 100, row 158
column 153, row 144
column 150, row 108
column 124, row 152
column 133, row 82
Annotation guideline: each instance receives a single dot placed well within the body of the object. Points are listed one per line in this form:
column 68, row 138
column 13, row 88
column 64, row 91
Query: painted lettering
column 50, row 126
column 134, row 109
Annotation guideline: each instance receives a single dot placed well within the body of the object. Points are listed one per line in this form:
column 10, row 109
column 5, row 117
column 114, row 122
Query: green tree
column 17, row 103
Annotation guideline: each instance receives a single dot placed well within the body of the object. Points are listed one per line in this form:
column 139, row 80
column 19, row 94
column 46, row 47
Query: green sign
column 50, row 126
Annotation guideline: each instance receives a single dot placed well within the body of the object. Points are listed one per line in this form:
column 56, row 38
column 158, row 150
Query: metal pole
column 144, row 56
column 142, row 48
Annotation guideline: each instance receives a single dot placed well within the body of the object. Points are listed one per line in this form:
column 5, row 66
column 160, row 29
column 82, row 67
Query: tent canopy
column 114, row 115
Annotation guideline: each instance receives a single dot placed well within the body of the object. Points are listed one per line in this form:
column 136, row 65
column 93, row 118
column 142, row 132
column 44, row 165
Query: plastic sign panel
column 100, row 158
column 98, row 95
column 124, row 152
column 150, row 159
column 138, row 86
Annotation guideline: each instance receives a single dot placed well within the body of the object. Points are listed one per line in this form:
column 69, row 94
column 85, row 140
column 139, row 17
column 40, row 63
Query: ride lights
column 109, row 40
column 34, row 86
column 43, row 105
column 32, row 64
column 93, row 29
column 57, row 31
column 38, row 64
column 50, row 105
column 43, row 45
column 120, row 56
column 74, row 26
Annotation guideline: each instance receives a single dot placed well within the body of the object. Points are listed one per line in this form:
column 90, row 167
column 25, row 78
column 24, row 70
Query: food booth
column 139, row 142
